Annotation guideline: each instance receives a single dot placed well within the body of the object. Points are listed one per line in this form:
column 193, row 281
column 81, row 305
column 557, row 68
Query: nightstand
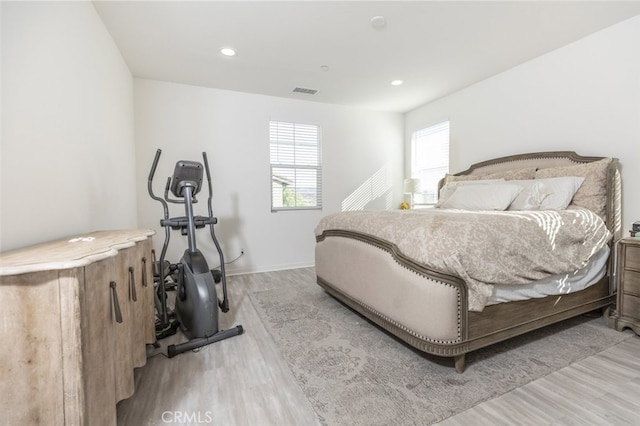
column 628, row 285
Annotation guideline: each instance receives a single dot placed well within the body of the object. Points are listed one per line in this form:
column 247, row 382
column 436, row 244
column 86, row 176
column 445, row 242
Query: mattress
column 557, row 284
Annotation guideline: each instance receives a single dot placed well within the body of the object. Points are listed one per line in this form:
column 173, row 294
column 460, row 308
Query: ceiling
column 435, row 47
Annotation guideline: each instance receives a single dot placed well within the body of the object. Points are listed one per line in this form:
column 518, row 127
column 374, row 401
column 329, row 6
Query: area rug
column 355, row 373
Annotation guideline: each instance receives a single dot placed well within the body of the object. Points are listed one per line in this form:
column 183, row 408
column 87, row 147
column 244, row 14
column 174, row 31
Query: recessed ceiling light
column 396, row 82
column 227, row 51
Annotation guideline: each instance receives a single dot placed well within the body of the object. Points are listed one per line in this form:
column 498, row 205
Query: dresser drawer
column 631, row 282
column 630, row 306
column 632, row 257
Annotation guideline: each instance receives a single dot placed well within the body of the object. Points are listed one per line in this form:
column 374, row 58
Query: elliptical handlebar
column 176, row 201
column 224, row 303
column 206, row 168
column 152, row 173
column 164, row 317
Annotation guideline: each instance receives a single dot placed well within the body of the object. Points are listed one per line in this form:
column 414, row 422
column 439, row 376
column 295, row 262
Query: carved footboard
column 372, row 277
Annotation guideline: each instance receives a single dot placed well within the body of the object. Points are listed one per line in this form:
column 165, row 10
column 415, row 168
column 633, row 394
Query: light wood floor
column 245, row 381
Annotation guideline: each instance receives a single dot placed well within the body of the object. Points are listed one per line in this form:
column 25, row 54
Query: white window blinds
column 296, row 170
column 429, row 160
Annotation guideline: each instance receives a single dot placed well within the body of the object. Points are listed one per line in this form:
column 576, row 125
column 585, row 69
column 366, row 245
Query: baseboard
column 232, row 272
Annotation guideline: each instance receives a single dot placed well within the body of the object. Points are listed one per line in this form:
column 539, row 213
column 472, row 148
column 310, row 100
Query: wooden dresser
column 628, row 285
column 75, row 318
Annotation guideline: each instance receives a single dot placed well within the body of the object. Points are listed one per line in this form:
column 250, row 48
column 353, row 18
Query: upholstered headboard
column 558, row 163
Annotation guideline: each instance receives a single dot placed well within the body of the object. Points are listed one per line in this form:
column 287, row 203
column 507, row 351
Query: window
column 429, row 160
column 296, row 170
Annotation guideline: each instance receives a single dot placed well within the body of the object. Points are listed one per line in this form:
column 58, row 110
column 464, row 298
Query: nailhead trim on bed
column 419, row 342
column 412, row 266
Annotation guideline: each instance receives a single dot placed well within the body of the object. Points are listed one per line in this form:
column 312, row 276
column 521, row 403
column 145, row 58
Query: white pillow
column 450, row 187
column 562, row 191
column 495, row 196
column 534, row 192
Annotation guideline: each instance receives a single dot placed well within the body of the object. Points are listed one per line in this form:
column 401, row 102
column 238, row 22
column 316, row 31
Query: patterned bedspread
column 484, row 248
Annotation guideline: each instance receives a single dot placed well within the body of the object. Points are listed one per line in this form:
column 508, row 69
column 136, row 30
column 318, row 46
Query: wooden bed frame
column 429, row 309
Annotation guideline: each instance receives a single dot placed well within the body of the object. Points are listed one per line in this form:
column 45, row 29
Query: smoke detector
column 378, row 22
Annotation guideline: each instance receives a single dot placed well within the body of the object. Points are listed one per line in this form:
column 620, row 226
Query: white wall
column 67, row 125
column 584, row 97
column 233, row 128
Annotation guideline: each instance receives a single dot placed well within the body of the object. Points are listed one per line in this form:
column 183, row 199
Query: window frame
column 434, row 130
column 295, row 165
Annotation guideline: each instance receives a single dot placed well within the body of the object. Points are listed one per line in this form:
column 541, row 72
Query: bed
column 417, row 274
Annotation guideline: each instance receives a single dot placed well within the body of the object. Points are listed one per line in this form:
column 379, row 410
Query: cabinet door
column 139, row 283
column 31, row 381
column 98, row 331
column 148, row 316
column 124, row 278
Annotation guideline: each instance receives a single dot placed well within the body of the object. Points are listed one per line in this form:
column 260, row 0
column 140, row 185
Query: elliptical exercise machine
column 196, row 302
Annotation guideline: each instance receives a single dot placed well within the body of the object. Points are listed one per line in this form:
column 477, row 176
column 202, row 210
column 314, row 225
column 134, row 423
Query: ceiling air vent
column 305, row 91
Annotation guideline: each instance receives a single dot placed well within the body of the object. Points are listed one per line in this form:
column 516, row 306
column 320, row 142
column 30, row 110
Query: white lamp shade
column 411, row 186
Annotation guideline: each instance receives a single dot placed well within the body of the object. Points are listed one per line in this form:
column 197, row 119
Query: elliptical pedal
column 166, row 331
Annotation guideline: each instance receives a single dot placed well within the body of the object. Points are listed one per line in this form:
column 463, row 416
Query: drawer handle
column 116, row 305
column 132, row 284
column 156, row 272
column 144, row 272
